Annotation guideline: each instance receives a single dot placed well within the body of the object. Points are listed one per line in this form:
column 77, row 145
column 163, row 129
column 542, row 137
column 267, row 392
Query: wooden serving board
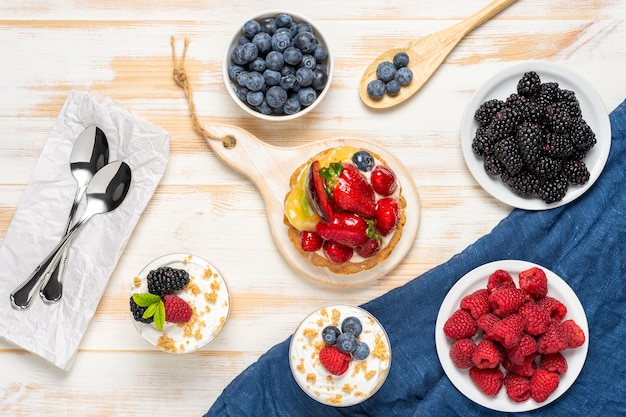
column 258, row 161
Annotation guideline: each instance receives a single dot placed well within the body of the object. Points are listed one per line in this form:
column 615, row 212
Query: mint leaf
column 159, row 316
column 145, row 299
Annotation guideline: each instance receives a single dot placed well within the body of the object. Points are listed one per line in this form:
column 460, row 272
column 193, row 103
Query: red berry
column 528, row 368
column 460, row 325
column 352, row 192
column 553, row 340
column 505, row 301
column 336, row 253
column 554, row 307
column 387, row 215
column 461, row 353
column 369, row 248
column 345, row 228
column 542, row 384
column 477, row 303
column 310, row 241
column 517, row 387
column 573, row 333
column 485, row 323
column 383, row 180
column 536, row 318
column 527, row 346
column 177, row 310
column 553, row 362
column 499, row 279
column 534, row 282
column 488, row 381
column 335, row 361
column 509, row 330
column 488, row 354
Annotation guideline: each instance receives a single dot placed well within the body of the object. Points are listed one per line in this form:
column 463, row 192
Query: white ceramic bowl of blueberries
column 278, row 66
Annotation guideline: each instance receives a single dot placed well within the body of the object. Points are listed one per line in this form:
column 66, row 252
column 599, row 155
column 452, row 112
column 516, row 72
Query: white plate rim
column 504, row 83
column 477, row 278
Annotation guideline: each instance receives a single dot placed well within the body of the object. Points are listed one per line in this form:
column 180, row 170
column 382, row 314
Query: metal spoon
column 89, row 154
column 426, row 55
column 106, row 191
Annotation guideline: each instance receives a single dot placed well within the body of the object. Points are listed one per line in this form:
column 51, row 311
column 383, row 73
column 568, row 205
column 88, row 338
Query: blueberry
column 320, row 53
column 241, row 92
column 292, row 105
column 263, row 42
column 404, row 75
column 257, row 65
column 307, row 96
column 249, row 52
column 242, row 78
column 275, row 96
column 237, row 55
column 361, row 352
column 330, row 334
column 346, row 342
column 271, row 77
column 320, row 79
column 274, row 60
column 304, row 27
column 292, row 55
column 268, row 25
column 308, row 61
column 283, row 20
column 400, row 60
column 376, row 89
column 385, row 71
column 288, row 82
column 281, row 41
column 305, row 41
column 352, row 325
column 364, row 161
column 254, row 98
column 393, row 87
column 287, row 70
column 234, row 70
column 255, row 81
column 305, row 76
column 264, row 108
column 243, row 39
column 251, row 28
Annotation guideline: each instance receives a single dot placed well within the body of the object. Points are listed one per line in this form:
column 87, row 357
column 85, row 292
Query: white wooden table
column 121, row 49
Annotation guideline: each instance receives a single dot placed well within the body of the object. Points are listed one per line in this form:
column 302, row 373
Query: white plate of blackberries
column 536, row 135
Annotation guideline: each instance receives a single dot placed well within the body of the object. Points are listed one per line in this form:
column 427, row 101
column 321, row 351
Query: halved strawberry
column 336, row 253
column 369, row 248
column 350, row 189
column 345, row 228
column 387, row 215
column 316, row 192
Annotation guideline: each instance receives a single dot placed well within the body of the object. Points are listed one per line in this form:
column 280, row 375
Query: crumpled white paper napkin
column 54, row 331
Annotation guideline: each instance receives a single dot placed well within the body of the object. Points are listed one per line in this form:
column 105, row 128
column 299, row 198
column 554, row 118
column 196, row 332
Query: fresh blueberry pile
column 390, row 77
column 279, row 66
column 346, row 338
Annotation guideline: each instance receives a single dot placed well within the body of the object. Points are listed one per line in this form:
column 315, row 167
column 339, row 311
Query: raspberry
column 167, row 280
column 536, row 319
column 553, row 340
column 477, row 303
column 488, row 354
column 461, row 353
column 460, row 325
column 542, row 384
column 509, row 330
column 488, row 381
column 499, row 279
column 335, row 361
column 527, row 346
column 573, row 333
column 534, row 282
column 485, row 323
column 554, row 307
column 505, row 301
column 553, row 362
column 177, row 310
column 528, row 368
column 517, row 387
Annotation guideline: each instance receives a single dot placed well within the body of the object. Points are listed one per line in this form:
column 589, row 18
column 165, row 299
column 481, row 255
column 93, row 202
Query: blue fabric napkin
column 583, row 242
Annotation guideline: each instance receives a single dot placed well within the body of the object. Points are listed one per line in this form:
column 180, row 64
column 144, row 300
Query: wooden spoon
column 426, row 55
column 270, row 167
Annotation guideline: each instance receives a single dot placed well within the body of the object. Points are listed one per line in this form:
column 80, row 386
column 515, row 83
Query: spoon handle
column 484, row 14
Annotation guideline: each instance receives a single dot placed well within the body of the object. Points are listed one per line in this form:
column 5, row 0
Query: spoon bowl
column 106, row 191
column 89, row 154
column 425, row 55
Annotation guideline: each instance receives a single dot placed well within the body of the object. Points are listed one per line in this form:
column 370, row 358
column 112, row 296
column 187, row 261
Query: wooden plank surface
column 121, row 49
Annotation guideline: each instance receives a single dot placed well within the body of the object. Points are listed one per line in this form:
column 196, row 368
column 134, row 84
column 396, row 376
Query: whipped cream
column 363, row 377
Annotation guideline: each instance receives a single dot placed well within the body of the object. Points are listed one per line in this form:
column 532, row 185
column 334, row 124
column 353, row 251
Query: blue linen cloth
column 583, row 242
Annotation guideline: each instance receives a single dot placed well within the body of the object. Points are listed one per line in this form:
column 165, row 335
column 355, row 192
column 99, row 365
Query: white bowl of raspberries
column 278, row 66
column 512, row 336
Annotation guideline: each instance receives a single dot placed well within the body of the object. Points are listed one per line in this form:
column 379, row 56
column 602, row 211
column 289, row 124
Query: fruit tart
column 345, row 210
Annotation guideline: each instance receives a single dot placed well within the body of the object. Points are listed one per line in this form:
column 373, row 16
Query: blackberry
column 138, row 311
column 530, row 137
column 558, row 146
column 483, row 141
column 525, row 184
column 485, row 112
column 576, row 172
column 547, row 93
column 553, row 190
column 529, row 85
column 547, row 167
column 530, row 110
column 167, row 280
column 558, row 118
column 569, row 102
column 492, row 165
column 508, row 154
column 503, row 123
column 582, row 135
